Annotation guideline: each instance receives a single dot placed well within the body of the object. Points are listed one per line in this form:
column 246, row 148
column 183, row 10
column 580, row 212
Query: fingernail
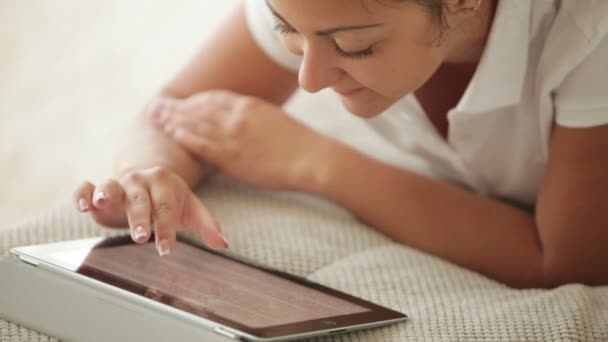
column 100, row 198
column 226, row 245
column 178, row 133
column 163, row 113
column 83, row 205
column 139, row 233
column 157, row 109
column 169, row 130
column 163, row 248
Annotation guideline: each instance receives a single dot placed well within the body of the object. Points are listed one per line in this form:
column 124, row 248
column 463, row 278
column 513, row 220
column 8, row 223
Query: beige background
column 74, row 71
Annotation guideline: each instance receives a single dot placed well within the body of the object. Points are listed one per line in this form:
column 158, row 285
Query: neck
column 469, row 40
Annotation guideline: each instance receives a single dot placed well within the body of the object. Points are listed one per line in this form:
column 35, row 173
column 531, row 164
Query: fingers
column 104, row 202
column 165, row 213
column 191, row 130
column 205, row 224
column 169, row 114
column 160, row 109
column 83, row 195
column 109, row 195
column 176, row 207
column 164, row 113
column 138, row 207
column 199, row 143
column 152, row 200
column 209, row 101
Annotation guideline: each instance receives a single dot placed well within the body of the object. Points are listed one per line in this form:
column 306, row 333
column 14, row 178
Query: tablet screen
column 208, row 283
column 211, row 285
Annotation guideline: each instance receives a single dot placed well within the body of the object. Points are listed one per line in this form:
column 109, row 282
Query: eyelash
column 286, row 30
column 283, row 29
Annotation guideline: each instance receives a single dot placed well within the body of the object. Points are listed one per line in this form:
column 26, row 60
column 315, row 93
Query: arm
column 566, row 241
column 213, row 67
column 153, row 176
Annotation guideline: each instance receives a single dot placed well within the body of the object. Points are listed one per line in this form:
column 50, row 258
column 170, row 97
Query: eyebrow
column 329, row 31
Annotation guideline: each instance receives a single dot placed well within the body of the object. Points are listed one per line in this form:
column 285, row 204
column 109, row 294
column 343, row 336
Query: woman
column 505, row 101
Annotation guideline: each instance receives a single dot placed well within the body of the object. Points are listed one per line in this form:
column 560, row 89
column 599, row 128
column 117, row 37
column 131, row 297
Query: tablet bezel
column 377, row 315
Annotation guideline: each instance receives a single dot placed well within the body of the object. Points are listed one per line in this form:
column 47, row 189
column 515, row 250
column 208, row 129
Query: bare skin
column 242, row 131
column 149, row 159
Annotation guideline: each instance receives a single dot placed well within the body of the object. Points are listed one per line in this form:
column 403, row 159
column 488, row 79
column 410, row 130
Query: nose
column 317, row 70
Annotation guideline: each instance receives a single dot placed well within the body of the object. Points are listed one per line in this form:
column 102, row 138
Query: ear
column 461, row 6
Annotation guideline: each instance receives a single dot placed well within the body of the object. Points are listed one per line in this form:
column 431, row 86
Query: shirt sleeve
column 582, row 99
column 261, row 25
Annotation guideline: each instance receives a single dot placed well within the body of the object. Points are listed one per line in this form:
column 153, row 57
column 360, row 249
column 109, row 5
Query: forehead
column 320, row 13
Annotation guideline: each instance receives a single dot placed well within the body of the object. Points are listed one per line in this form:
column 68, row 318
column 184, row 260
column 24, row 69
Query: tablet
column 226, row 294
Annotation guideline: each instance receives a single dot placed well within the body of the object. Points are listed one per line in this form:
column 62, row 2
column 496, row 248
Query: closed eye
column 361, row 54
column 284, row 29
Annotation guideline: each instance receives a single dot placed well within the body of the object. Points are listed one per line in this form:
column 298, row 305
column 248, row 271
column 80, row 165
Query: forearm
column 479, row 233
column 144, row 146
column 217, row 65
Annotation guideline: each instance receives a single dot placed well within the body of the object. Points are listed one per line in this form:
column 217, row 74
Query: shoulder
column 261, row 23
column 571, row 66
column 578, row 28
column 589, row 17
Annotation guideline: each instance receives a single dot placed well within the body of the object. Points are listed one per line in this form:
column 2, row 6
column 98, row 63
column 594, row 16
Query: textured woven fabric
column 316, row 239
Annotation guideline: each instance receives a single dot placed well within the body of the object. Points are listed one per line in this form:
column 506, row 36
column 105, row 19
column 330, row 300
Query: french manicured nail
column 170, row 130
column 139, row 233
column 157, row 108
column 100, row 198
column 160, row 112
column 83, row 205
column 226, row 244
column 217, row 227
column 163, row 111
column 177, row 133
column 163, row 248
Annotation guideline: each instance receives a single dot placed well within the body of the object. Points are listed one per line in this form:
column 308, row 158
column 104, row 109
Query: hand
column 247, row 138
column 154, row 198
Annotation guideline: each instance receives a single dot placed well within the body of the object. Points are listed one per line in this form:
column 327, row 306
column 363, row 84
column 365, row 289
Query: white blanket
column 316, row 239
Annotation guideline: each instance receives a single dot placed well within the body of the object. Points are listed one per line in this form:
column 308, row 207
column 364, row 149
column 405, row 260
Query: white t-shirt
column 545, row 62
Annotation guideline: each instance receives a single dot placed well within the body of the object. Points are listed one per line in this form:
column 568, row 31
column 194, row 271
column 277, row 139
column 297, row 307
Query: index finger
column 165, row 218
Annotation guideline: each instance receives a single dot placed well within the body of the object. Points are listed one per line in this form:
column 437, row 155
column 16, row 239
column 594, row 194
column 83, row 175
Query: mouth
column 348, row 92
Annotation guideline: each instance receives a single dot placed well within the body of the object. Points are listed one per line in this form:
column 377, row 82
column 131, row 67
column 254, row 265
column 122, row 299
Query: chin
column 364, row 109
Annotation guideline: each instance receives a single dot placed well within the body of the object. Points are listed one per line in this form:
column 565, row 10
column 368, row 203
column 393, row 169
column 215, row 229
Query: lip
column 348, row 92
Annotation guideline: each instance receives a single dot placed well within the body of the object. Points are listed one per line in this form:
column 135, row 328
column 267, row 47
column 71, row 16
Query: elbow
column 559, row 267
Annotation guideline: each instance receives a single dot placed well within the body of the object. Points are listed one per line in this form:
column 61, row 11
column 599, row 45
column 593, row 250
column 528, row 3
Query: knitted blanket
column 311, row 237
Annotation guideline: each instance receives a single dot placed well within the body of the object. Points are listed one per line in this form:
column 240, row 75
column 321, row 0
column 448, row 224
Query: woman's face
column 368, row 52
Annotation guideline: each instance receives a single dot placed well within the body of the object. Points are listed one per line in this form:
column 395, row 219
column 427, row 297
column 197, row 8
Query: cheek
column 414, row 68
column 396, row 73
column 293, row 43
